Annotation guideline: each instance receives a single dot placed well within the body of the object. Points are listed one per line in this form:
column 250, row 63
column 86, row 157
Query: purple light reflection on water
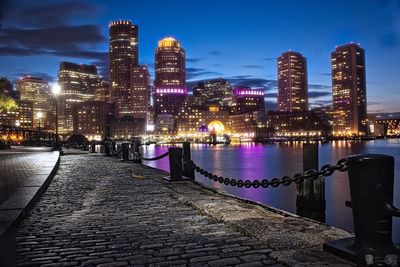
column 256, row 161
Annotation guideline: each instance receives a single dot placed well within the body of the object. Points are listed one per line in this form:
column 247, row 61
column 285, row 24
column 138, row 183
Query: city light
column 56, row 89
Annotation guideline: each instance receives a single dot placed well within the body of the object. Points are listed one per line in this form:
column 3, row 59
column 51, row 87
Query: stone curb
column 14, row 209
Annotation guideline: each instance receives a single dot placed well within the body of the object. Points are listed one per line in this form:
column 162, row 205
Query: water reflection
column 256, row 161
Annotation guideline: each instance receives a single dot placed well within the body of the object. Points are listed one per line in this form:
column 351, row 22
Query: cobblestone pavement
column 96, row 213
column 16, row 165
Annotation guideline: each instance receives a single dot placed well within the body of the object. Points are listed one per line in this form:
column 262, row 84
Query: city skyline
column 212, row 56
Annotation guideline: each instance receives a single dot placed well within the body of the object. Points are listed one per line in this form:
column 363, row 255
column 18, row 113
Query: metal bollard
column 93, row 148
column 188, row 171
column 310, row 201
column 125, row 151
column 113, row 146
column 107, row 151
column 136, row 148
column 371, row 178
column 175, row 163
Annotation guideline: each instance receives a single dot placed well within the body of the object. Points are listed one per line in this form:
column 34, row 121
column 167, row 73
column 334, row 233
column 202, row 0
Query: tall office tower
column 292, row 82
column 78, row 83
column 349, row 97
column 215, row 91
column 35, row 90
column 170, row 77
column 140, row 90
column 123, row 54
column 247, row 100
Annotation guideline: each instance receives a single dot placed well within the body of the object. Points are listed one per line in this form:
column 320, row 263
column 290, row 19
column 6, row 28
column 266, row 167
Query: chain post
column 188, row 170
column 125, row 151
column 136, row 149
column 107, row 148
column 93, row 148
column 113, row 146
column 175, row 164
column 371, row 179
column 310, row 201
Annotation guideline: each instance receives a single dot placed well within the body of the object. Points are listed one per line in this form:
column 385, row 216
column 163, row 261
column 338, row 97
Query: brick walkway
column 16, row 165
column 95, row 213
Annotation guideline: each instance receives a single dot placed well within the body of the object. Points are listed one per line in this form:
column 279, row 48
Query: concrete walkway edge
column 13, row 210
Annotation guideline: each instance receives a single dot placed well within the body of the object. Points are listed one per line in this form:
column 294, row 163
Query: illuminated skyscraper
column 170, row 77
column 123, row 54
column 35, row 90
column 78, row 83
column 349, row 91
column 140, row 91
column 292, row 82
column 215, row 91
column 247, row 100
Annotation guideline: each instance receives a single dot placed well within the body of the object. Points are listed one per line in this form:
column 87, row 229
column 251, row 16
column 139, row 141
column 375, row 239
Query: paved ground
column 16, row 165
column 96, row 213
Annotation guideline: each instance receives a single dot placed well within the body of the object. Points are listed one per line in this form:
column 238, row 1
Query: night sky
column 238, row 40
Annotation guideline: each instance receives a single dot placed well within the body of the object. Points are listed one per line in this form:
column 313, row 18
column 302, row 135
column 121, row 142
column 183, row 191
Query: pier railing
column 371, row 180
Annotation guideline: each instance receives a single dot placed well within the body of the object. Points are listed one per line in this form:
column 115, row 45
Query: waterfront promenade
column 16, row 165
column 99, row 211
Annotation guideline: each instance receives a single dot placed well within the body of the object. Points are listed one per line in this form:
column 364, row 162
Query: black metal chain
column 326, row 170
column 137, row 156
column 116, row 152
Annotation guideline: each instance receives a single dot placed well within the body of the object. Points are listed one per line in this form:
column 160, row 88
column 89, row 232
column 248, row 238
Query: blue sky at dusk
column 237, row 39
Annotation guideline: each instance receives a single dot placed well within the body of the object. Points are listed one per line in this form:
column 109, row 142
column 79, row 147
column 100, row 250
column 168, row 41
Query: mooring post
column 107, row 148
column 125, row 151
column 310, row 201
column 371, row 180
column 113, row 146
column 175, row 163
column 188, row 171
column 136, row 150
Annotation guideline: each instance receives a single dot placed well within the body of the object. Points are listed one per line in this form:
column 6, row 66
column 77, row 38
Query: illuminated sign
column 248, row 92
column 167, row 90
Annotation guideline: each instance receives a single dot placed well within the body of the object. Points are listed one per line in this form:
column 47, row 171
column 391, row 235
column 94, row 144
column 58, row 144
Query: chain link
column 311, row 175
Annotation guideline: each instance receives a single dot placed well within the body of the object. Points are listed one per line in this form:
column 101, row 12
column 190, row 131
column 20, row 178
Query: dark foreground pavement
column 96, row 213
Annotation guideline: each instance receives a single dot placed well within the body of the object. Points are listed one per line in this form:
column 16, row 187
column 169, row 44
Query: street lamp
column 56, row 89
column 39, row 116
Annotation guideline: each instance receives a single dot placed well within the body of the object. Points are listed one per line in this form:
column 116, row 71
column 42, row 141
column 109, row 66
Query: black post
column 188, row 171
column 136, row 148
column 175, row 163
column 310, row 201
column 125, row 151
column 93, row 148
column 113, row 146
column 371, row 179
column 107, row 148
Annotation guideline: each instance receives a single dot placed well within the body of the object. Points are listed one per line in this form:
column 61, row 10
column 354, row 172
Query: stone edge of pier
column 294, row 240
column 13, row 210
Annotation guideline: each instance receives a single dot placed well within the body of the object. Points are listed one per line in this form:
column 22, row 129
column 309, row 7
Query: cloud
column 40, row 13
column 252, row 66
column 248, row 80
column 325, row 74
column 193, row 60
column 269, row 58
column 317, row 94
column 195, row 73
column 271, row 95
column 216, row 53
column 60, row 38
column 42, row 75
column 320, row 103
column 320, row 87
